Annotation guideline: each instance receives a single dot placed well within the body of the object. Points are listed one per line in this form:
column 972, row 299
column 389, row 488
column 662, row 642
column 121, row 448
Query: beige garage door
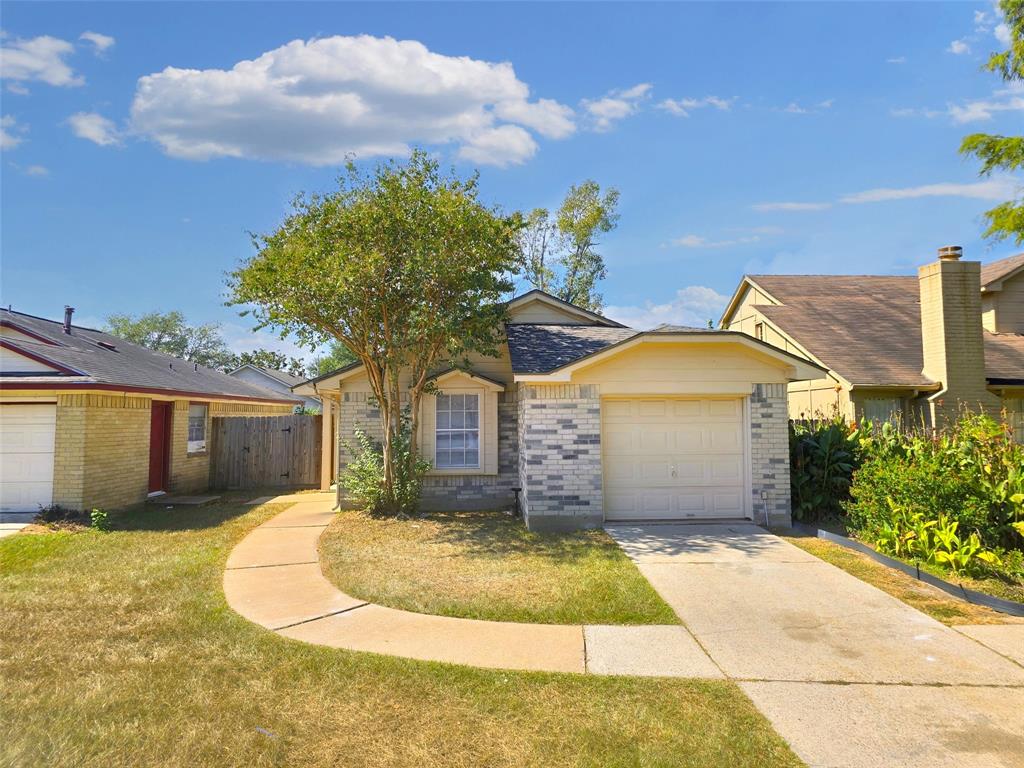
column 674, row 458
column 26, row 456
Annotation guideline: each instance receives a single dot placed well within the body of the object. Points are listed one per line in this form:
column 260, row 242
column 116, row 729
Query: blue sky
column 141, row 142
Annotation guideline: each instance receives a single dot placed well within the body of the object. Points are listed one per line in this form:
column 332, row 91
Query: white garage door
column 674, row 459
column 26, row 456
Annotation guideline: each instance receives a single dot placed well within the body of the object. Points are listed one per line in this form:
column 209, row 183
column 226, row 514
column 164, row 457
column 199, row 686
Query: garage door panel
column 26, row 456
column 687, row 463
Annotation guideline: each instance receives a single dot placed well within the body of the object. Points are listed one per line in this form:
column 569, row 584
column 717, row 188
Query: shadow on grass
column 496, row 535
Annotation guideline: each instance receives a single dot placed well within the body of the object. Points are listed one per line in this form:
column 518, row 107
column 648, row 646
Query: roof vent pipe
column 950, row 253
column 68, row 312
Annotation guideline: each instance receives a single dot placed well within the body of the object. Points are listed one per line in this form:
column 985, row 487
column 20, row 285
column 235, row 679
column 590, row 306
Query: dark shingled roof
column 543, row 348
column 867, row 328
column 127, row 364
column 997, row 270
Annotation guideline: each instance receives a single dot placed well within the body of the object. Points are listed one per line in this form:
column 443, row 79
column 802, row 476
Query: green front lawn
column 118, row 649
column 486, row 565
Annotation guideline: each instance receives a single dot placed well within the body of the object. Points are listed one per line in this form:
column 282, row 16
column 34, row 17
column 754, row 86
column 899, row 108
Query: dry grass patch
column 917, row 594
column 119, row 650
column 486, row 565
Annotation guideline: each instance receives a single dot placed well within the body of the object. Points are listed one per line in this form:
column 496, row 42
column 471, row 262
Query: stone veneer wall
column 442, row 492
column 560, row 456
column 769, row 452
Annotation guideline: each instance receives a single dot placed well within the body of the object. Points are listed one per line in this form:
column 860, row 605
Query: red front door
column 159, row 446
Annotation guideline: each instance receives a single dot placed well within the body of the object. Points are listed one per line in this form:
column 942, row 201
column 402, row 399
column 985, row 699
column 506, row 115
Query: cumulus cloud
column 319, row 101
column 683, row 107
column 693, row 305
column 795, row 108
column 959, row 47
column 897, row 60
column 99, row 41
column 9, row 130
column 37, row 170
column 615, row 105
column 989, row 189
column 791, row 206
column 37, row 59
column 94, row 127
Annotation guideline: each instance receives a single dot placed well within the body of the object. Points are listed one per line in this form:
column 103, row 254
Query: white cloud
column 791, row 206
column 693, row 305
column 501, row 146
column 9, row 130
column 615, row 106
column 547, row 117
column 959, row 47
column 989, row 189
column 794, row 108
column 1002, row 33
column 696, row 241
column 897, row 60
column 100, row 42
column 683, row 107
column 319, row 101
column 96, row 128
column 37, row 59
column 1003, row 100
column 37, row 170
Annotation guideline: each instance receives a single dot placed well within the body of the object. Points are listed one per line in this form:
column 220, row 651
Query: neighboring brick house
column 90, row 420
column 592, row 421
column 913, row 348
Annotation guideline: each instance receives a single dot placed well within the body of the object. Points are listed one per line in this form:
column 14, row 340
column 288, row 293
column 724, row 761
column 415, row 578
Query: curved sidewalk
column 273, row 578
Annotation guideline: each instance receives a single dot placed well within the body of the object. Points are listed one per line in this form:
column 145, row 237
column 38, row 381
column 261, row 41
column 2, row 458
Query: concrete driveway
column 847, row 674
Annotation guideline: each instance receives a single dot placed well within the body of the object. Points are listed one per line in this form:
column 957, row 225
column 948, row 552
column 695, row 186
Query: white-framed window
column 197, row 427
column 457, row 432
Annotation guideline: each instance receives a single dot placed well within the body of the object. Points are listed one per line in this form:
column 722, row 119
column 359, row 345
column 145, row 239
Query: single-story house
column 90, row 420
column 276, row 381
column 916, row 348
column 590, row 421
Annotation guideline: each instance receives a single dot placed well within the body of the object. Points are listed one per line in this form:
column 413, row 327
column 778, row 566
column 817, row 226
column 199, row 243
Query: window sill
column 457, row 471
column 190, row 454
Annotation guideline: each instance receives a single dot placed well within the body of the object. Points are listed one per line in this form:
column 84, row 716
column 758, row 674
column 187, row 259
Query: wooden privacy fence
column 265, row 452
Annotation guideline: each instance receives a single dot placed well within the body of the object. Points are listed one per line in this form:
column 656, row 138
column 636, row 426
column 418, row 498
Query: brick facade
column 769, row 454
column 101, row 451
column 560, row 456
column 441, row 492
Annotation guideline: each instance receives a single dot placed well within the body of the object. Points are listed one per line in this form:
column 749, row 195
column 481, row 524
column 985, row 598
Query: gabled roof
column 542, row 348
column 585, row 315
column 867, row 328
column 101, row 360
column 281, row 377
column 998, row 271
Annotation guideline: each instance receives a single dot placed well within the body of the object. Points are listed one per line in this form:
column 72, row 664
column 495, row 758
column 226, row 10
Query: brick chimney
column 952, row 336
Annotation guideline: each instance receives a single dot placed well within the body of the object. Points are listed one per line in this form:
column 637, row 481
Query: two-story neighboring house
column 276, row 381
column 915, row 347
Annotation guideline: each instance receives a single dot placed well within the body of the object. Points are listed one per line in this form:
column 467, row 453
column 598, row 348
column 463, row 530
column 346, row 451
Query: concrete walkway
column 12, row 522
column 273, row 578
column 849, row 675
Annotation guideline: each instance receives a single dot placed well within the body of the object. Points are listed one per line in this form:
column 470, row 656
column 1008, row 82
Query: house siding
column 560, row 456
column 769, row 455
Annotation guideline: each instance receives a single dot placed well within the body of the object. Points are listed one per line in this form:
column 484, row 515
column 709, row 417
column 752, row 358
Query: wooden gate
column 265, row 452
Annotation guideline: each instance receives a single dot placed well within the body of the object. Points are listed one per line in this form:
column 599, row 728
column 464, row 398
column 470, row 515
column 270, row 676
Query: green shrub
column 99, row 520
column 364, row 476
column 823, row 456
column 922, row 485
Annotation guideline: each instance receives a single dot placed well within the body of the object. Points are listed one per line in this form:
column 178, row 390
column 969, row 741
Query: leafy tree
column 168, row 332
column 338, row 356
column 405, row 267
column 1004, row 153
column 559, row 254
column 274, row 361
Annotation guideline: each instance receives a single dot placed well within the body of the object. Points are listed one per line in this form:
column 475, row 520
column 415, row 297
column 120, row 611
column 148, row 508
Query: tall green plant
column 823, row 456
